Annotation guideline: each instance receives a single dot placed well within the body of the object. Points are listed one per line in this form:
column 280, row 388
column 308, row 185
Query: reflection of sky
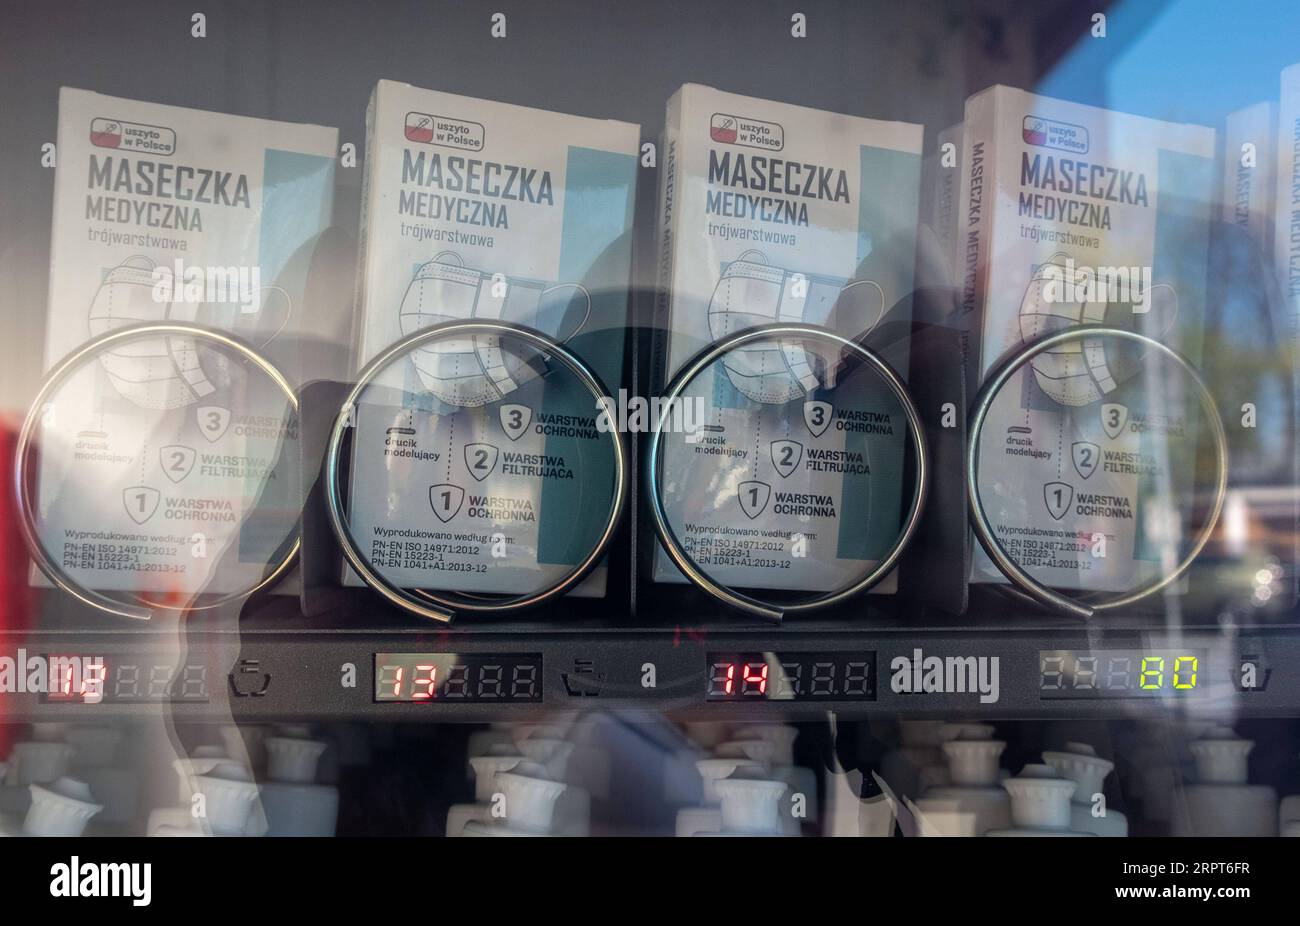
column 1181, row 60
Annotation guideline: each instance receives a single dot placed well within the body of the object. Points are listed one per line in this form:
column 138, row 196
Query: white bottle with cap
column 802, row 781
column 528, row 801
column 707, row 817
column 294, row 804
column 751, row 805
column 35, row 761
column 217, row 797
column 763, row 751
column 918, row 763
column 1221, row 802
column 485, row 769
column 974, row 802
column 1080, row 763
column 1040, row 803
column 59, row 808
column 573, row 807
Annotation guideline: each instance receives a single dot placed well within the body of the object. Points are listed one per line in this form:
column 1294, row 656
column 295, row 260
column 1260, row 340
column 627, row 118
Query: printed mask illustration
column 170, row 372
column 472, row 371
column 751, row 293
column 1060, row 296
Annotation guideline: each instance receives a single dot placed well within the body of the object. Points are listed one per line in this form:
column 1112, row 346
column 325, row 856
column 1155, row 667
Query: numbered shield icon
column 817, row 416
column 786, row 455
column 1085, row 455
column 213, row 420
column 515, row 420
column 140, row 502
column 446, row 499
column 1058, row 496
column 1113, row 418
column 177, row 461
column 481, row 459
column 753, row 496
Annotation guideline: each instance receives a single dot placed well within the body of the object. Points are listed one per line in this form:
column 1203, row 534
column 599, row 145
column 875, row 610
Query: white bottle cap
column 921, row 732
column 781, row 736
column 758, row 750
column 486, row 769
column 292, row 760
column 552, row 753
column 714, row 770
column 1080, row 763
column 243, row 741
column 751, row 805
column 62, row 808
column 227, row 803
column 1221, row 759
column 530, row 801
column 1040, row 799
column 974, row 762
column 966, row 731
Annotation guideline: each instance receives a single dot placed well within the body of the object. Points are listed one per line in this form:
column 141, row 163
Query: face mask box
column 1249, row 172
column 474, row 209
column 163, row 213
column 1286, row 219
column 1053, row 191
column 771, row 212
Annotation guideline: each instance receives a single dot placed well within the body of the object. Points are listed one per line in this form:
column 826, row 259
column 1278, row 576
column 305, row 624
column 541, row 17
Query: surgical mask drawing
column 751, row 292
column 1061, row 295
column 171, row 372
column 474, row 371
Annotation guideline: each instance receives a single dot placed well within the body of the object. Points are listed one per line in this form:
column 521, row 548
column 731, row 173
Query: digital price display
column 457, row 678
column 791, row 676
column 124, row 679
column 1116, row 673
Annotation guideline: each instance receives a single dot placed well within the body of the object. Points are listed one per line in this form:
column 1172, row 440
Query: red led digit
column 94, row 677
column 397, row 683
column 751, row 679
column 427, row 682
column 731, row 679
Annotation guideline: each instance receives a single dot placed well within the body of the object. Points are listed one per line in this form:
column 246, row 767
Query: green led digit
column 1178, row 668
column 1153, row 667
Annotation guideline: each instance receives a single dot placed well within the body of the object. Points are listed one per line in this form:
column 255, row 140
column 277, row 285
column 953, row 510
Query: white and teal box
column 1250, row 172
column 1286, row 221
column 774, row 212
column 1072, row 451
column 163, row 213
column 475, row 209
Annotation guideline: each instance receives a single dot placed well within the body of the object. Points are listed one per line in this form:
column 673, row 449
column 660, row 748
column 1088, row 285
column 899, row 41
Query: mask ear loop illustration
column 654, row 472
column 565, row 338
column 1024, row 582
column 24, row 484
column 439, row 605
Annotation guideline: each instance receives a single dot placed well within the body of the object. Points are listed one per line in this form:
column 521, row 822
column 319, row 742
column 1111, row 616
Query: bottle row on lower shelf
column 596, row 773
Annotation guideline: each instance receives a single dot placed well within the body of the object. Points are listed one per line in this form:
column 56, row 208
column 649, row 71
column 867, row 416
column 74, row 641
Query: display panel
column 457, row 677
column 1121, row 673
column 124, row 679
column 849, row 676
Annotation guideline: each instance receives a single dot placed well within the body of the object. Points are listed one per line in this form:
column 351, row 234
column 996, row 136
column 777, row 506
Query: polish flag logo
column 105, row 133
column 419, row 128
column 722, row 129
column 1034, row 131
